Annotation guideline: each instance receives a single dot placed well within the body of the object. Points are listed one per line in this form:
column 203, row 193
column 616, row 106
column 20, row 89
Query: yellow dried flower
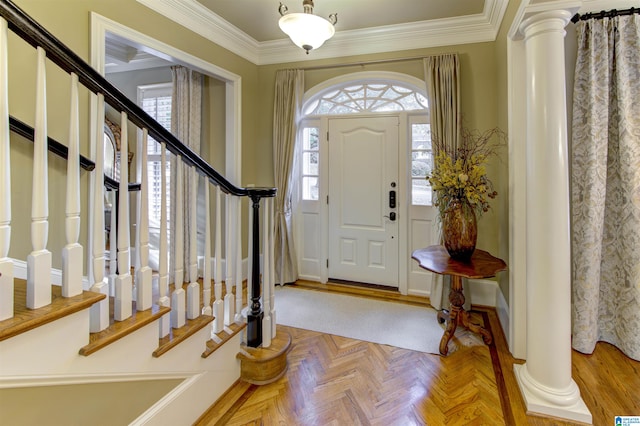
column 461, row 173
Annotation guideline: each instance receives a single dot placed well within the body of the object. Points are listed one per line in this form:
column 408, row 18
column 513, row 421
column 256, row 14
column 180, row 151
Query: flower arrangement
column 460, row 174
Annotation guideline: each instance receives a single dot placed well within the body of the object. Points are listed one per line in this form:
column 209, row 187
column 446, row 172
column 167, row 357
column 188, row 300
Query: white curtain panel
column 289, row 89
column 606, row 185
column 442, row 76
column 186, row 124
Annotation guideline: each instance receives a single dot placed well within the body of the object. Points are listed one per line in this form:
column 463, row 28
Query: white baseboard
column 20, row 272
column 502, row 309
column 419, row 293
column 482, row 292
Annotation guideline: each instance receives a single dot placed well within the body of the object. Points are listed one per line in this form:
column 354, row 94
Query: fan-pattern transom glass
column 367, row 97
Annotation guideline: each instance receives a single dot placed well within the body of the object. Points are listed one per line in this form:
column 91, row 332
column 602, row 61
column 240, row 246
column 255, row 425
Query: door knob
column 391, row 217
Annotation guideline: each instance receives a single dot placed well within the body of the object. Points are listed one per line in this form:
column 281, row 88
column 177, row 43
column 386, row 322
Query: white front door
column 363, row 182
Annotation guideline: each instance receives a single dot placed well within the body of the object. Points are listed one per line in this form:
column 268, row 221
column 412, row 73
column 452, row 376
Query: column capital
column 551, row 20
column 529, row 14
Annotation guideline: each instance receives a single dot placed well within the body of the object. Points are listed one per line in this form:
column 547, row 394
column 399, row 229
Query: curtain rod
column 356, row 64
column 602, row 14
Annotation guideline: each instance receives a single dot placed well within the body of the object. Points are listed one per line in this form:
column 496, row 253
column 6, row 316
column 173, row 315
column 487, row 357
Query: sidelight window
column 421, row 164
column 310, row 157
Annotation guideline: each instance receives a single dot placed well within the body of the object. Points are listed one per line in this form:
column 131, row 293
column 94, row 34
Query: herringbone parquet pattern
column 339, row 381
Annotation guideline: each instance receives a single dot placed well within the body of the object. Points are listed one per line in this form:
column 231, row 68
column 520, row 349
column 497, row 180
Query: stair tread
column 25, row 319
column 222, row 337
column 119, row 329
column 178, row 335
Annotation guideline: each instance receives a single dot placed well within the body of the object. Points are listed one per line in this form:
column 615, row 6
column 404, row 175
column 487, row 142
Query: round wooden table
column 481, row 265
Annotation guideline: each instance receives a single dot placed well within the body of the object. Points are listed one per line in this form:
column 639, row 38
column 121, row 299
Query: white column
column 6, row 264
column 545, row 379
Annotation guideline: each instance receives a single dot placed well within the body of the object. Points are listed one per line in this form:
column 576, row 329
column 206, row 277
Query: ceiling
column 259, row 18
column 250, row 29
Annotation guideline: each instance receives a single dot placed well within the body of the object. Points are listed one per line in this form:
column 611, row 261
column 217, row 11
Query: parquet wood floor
column 334, row 380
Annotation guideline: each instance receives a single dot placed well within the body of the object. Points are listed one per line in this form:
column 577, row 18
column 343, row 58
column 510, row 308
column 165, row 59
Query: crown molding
column 441, row 32
column 194, row 16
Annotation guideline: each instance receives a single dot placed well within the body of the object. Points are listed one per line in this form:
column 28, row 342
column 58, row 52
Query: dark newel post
column 254, row 317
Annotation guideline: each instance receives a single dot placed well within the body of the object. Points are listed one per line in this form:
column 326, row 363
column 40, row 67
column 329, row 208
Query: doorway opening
column 360, row 185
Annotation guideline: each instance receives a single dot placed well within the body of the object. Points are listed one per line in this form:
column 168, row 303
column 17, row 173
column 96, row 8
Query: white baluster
column 72, row 252
column 206, row 270
column 193, row 289
column 218, row 305
column 124, row 283
column 178, row 298
column 6, row 264
column 39, row 261
column 143, row 273
column 163, row 261
column 229, row 301
column 272, row 267
column 266, row 276
column 111, row 197
column 99, row 311
column 238, row 257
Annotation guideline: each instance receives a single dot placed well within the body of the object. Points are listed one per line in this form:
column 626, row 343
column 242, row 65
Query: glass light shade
column 306, row 30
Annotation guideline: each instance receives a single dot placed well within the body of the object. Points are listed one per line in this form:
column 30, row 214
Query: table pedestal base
column 458, row 316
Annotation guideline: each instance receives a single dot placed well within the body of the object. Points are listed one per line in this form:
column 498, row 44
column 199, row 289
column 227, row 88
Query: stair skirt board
column 50, row 353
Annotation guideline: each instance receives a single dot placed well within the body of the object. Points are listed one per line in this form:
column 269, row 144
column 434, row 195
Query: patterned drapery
column 606, row 185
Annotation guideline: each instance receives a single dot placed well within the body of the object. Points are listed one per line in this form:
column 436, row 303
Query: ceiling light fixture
column 307, row 30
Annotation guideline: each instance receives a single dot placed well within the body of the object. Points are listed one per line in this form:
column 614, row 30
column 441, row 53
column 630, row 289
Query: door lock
column 392, row 199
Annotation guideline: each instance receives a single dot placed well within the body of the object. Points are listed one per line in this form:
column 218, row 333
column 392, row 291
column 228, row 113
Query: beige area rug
column 389, row 323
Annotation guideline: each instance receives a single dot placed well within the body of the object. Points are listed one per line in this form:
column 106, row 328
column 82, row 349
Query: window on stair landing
column 155, row 100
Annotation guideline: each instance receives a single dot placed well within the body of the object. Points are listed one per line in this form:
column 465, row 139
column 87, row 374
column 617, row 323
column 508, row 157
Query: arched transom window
column 366, row 97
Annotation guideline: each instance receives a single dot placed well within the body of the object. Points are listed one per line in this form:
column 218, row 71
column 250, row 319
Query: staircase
column 67, row 320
